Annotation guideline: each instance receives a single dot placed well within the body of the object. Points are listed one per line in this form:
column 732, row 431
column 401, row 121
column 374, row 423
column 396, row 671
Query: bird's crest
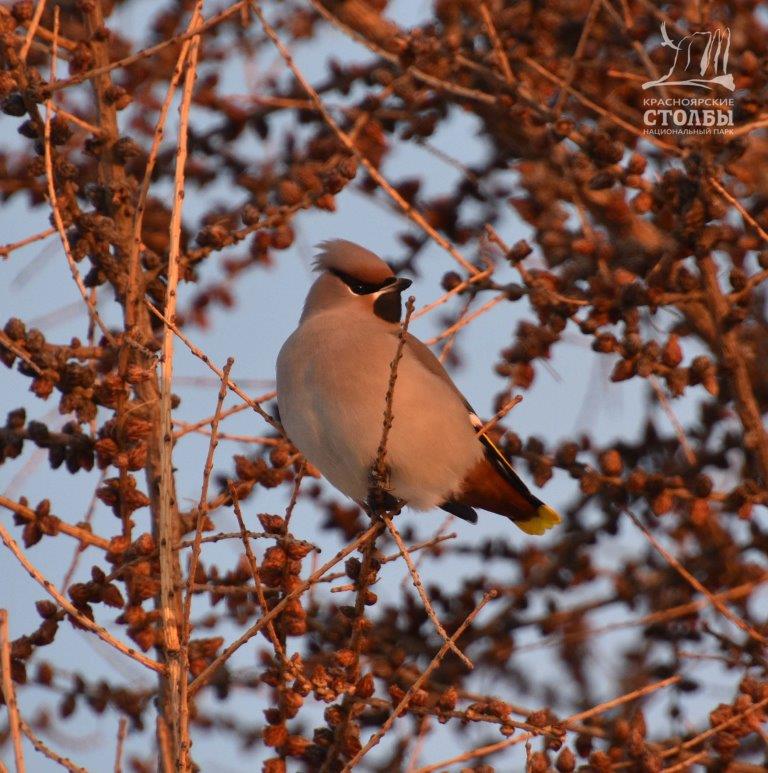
column 340, row 255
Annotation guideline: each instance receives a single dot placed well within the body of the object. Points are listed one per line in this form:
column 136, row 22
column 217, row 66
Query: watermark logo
column 700, row 61
column 713, row 58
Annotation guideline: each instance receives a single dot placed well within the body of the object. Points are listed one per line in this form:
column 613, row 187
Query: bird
column 332, row 377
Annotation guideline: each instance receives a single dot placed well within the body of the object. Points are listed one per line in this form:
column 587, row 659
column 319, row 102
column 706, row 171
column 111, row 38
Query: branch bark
column 168, row 514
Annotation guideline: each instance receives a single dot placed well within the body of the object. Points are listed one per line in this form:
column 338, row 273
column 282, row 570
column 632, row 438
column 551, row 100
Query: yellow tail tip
column 546, row 517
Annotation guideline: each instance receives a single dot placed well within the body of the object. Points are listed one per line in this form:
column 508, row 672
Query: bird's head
column 356, row 281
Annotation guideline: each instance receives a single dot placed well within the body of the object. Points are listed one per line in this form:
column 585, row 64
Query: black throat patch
column 389, row 306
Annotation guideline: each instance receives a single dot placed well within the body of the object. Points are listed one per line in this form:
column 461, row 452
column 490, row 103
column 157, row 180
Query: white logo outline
column 709, row 56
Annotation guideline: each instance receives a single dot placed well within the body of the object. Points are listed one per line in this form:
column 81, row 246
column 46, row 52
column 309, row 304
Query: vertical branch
column 133, row 294
column 9, row 694
column 379, row 473
column 379, row 500
column 254, row 567
column 53, row 197
column 164, row 750
column 201, row 514
column 735, row 363
column 167, row 516
column 122, row 731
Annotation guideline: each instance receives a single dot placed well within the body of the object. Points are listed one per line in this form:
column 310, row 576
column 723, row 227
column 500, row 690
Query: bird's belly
column 333, row 404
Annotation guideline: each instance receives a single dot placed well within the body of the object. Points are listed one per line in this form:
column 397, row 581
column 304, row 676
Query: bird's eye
column 357, row 286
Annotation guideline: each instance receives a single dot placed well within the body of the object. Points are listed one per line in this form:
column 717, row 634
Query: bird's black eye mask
column 359, row 287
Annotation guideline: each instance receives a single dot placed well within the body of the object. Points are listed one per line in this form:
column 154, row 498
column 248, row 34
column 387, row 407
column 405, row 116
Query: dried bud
column 275, row 735
column 566, row 761
column 272, row 524
column 611, row 462
column 365, row 687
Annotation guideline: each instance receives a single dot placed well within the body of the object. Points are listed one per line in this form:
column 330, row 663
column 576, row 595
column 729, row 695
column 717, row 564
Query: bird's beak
column 398, row 285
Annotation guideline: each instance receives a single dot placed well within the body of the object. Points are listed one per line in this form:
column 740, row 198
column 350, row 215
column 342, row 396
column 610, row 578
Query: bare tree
column 650, row 248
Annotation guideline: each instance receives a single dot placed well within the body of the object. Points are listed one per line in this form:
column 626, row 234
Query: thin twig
column 599, row 109
column 75, row 119
column 43, row 748
column 122, row 732
column 9, row 693
column 487, row 306
column 425, row 726
column 7, row 249
column 408, row 209
column 434, row 663
column 693, row 582
column 709, row 732
column 690, row 456
column 498, row 48
column 483, row 751
column 187, row 427
column 459, row 288
column 11, row 346
column 430, row 543
column 224, row 535
column 652, row 618
column 201, row 355
column 449, row 87
column 731, row 199
column 450, row 340
column 573, row 60
column 134, row 291
column 39, row 8
column 685, row 765
column 760, row 123
column 85, row 536
column 67, row 44
column 753, row 281
column 201, row 515
column 436, row 538
column 205, row 676
column 79, row 550
column 499, row 415
column 214, row 21
column 54, row 201
column 419, row 585
column 291, row 506
column 495, row 238
column 81, row 619
column 259, row 440
column 254, row 567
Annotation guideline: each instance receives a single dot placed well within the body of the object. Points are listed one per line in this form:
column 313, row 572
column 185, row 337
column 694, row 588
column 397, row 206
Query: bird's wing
column 426, row 358
column 528, row 512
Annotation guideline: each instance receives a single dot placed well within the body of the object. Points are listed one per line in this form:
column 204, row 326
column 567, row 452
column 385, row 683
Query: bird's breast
column 332, row 381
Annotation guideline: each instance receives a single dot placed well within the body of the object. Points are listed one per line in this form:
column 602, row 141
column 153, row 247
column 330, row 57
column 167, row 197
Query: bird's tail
column 494, row 485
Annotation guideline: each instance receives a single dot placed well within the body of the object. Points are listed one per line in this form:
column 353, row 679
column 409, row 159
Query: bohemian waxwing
column 332, row 378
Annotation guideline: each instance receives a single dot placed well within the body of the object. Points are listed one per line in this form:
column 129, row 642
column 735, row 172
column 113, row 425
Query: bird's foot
column 381, row 501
